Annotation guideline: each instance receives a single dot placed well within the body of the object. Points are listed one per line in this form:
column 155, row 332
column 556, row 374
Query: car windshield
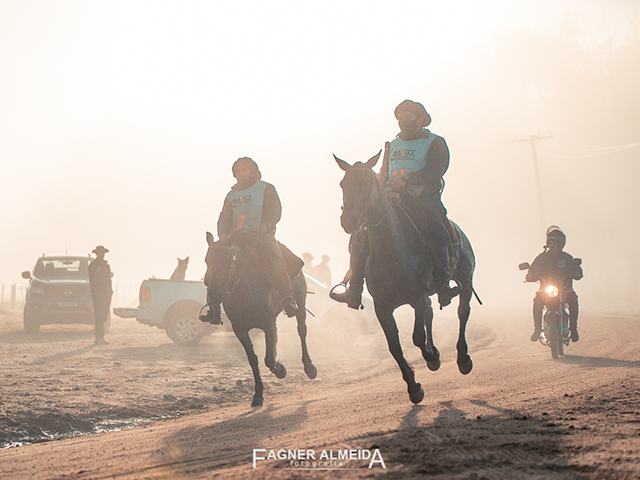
column 62, row 268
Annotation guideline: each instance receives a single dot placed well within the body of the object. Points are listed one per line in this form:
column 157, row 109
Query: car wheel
column 342, row 326
column 184, row 328
column 31, row 325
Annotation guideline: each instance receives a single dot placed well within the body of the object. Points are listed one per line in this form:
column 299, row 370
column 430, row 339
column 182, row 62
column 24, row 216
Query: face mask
column 409, row 127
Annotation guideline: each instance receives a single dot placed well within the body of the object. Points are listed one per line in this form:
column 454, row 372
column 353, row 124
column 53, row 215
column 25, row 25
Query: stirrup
column 289, row 306
column 343, row 297
column 338, row 297
column 212, row 316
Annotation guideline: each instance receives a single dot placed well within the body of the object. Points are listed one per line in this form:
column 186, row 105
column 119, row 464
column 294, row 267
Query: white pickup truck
column 174, row 306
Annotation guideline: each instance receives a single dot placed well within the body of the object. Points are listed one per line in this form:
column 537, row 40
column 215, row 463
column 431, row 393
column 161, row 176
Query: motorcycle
column 555, row 314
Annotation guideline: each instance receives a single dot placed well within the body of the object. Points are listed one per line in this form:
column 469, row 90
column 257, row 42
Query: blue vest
column 247, row 207
column 408, row 156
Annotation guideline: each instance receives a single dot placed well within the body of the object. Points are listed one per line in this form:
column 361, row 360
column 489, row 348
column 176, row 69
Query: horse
column 250, row 301
column 397, row 270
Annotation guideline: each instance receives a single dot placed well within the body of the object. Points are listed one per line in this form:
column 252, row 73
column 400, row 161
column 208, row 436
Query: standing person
column 323, row 271
column 554, row 265
column 101, row 291
column 414, row 165
column 307, row 258
column 253, row 207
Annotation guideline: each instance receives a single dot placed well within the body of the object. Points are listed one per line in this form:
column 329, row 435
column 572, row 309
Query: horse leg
column 309, row 368
column 271, row 341
column 464, row 310
column 424, row 340
column 390, row 329
column 245, row 340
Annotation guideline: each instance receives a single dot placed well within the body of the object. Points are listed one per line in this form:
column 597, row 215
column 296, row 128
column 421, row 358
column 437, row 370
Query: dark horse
column 251, row 302
column 398, row 270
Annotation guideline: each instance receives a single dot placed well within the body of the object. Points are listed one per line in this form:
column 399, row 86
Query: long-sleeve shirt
column 553, row 267
column 100, row 278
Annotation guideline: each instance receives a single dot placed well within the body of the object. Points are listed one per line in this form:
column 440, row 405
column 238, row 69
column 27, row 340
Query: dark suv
column 58, row 292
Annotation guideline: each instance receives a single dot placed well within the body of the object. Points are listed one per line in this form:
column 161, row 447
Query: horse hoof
column 465, row 367
column 311, row 371
column 417, row 397
column 434, row 365
column 280, row 371
column 432, row 356
column 257, row 402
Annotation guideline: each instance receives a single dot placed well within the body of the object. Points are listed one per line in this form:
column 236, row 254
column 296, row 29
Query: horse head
column 360, row 190
column 219, row 259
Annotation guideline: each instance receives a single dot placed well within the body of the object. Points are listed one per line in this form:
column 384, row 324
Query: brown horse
column 398, row 270
column 250, row 302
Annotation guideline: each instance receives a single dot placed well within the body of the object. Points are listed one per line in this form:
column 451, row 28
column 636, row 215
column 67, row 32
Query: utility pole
column 533, row 141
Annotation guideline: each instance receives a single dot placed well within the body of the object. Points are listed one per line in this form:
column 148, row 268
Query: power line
column 605, row 151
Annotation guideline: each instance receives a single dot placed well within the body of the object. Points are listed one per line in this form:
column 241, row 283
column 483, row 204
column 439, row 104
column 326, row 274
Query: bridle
column 362, row 224
column 231, row 288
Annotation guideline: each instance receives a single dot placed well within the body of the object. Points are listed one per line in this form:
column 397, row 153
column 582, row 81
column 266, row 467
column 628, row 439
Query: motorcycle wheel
column 555, row 341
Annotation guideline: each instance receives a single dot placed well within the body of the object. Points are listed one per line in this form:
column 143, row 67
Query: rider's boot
column 537, row 323
column 284, row 287
column 572, row 300
column 352, row 296
column 214, row 300
column 213, row 315
column 446, row 293
column 354, row 279
column 441, row 276
column 289, row 306
column 573, row 328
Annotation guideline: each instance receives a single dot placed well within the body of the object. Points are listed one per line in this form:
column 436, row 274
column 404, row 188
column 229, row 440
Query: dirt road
column 518, row 414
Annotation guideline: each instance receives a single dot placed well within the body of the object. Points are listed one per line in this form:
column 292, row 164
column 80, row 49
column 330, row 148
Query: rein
column 369, row 205
column 230, row 289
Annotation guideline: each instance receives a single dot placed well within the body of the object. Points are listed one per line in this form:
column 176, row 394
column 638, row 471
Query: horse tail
column 467, row 258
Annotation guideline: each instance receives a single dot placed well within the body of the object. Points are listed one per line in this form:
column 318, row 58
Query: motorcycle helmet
column 554, row 232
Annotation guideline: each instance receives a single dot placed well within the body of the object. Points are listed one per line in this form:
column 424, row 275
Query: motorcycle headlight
column 552, row 291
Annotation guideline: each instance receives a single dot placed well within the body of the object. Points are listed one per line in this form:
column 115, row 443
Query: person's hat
column 99, row 249
column 244, row 161
column 326, row 258
column 413, row 107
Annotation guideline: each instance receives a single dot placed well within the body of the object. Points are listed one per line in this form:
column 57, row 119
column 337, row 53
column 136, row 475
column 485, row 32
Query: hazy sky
column 120, row 120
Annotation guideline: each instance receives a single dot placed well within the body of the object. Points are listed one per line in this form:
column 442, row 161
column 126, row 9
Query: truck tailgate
column 126, row 312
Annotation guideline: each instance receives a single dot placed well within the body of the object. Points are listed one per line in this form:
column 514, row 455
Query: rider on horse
column 253, row 208
column 414, row 164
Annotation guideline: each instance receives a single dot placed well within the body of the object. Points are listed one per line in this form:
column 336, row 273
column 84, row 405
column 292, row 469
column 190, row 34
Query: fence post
column 13, row 296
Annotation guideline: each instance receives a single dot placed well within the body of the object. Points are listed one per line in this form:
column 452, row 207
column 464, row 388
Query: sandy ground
column 144, row 408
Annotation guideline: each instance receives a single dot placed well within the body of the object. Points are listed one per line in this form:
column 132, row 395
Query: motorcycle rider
column 414, row 164
column 253, row 207
column 554, row 264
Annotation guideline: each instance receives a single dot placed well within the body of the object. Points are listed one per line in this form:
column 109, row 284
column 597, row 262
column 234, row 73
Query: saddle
column 454, row 240
column 252, row 246
column 408, row 210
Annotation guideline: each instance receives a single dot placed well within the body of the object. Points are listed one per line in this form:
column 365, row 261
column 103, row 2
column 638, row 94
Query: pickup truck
column 174, row 306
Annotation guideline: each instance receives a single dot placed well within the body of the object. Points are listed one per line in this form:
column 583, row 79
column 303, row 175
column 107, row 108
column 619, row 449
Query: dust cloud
column 143, row 166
